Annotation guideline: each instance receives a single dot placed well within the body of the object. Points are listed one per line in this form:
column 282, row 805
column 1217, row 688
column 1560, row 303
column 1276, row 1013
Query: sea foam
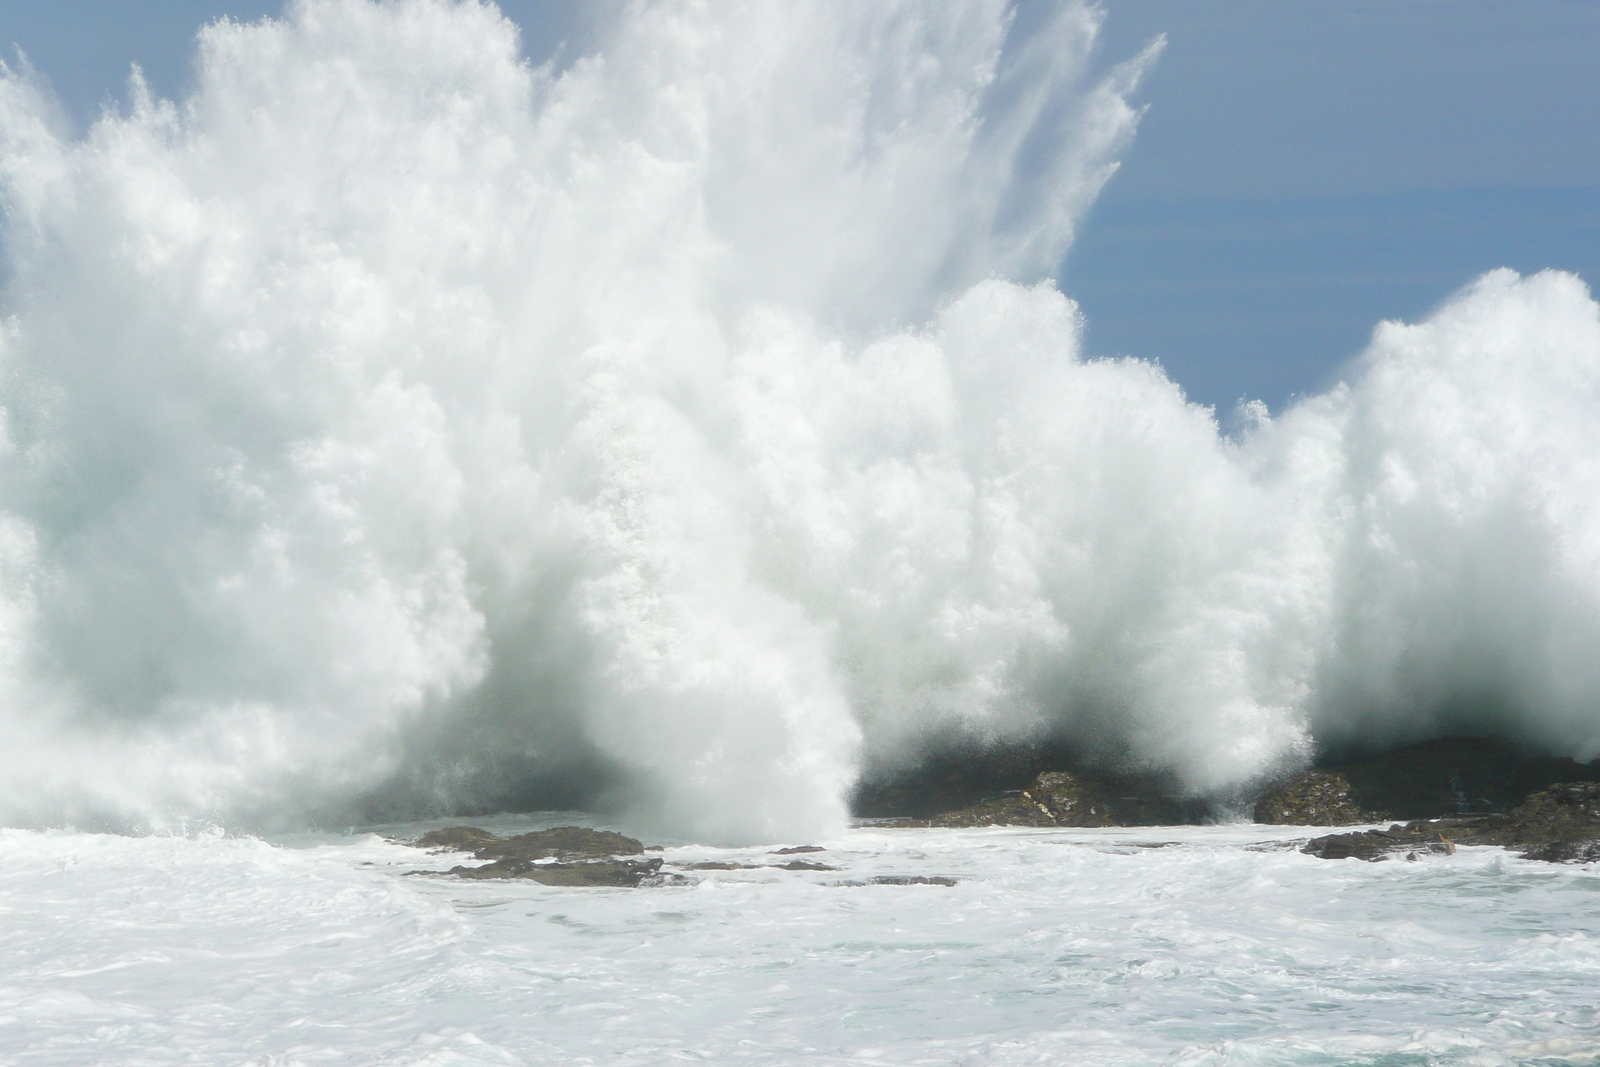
column 692, row 427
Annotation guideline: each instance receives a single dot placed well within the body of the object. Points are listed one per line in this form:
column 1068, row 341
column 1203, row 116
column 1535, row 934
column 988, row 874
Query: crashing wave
column 393, row 426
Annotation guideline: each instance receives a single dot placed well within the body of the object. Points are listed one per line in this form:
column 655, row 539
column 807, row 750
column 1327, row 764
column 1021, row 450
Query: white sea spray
column 394, row 426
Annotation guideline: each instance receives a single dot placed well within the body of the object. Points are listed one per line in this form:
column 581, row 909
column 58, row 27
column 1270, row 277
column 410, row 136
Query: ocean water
column 1190, row 945
column 690, row 428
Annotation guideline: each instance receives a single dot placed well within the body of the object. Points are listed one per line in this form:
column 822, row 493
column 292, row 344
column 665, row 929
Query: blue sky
column 1308, row 168
column 1305, row 169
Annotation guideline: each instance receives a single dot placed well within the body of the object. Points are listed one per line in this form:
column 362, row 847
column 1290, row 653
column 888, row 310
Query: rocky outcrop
column 1412, row 840
column 564, row 855
column 1560, row 824
column 955, row 777
column 590, row 872
column 1570, row 851
column 1434, row 779
column 457, row 839
column 562, row 842
column 1562, row 812
column 1313, row 798
column 801, row 865
column 719, row 865
column 575, row 856
column 1062, row 798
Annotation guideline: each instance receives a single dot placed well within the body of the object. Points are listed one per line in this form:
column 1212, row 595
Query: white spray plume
column 391, row 427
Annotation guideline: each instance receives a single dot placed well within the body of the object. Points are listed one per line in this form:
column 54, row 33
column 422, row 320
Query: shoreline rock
column 1026, row 786
column 562, row 855
column 1447, row 777
column 595, row 872
column 1557, row 825
column 1491, row 792
column 576, row 856
column 1066, row 799
column 1313, row 798
column 561, row 842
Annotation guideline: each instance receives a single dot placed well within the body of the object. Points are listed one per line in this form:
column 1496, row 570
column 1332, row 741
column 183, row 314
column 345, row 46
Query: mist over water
column 391, row 427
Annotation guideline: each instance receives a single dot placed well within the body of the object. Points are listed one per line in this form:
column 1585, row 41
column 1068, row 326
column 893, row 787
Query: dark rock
column 1061, row 798
column 603, row 872
column 1573, row 851
column 957, row 776
column 561, row 842
column 1569, row 810
column 796, row 850
column 1313, row 798
column 458, row 838
column 1560, row 824
column 802, row 865
column 1370, row 845
column 582, row 857
column 1455, row 776
column 897, row 879
column 720, row 865
column 1449, row 776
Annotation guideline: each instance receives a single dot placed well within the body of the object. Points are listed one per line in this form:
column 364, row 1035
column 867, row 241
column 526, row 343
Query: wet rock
column 562, row 855
column 457, row 838
column 594, row 873
column 561, row 842
column 1455, row 776
column 1566, row 851
column 1562, row 812
column 719, row 865
column 897, row 879
column 1314, row 798
column 796, row 850
column 1062, row 798
column 958, row 776
column 1412, row 840
column 1560, row 824
column 802, row 865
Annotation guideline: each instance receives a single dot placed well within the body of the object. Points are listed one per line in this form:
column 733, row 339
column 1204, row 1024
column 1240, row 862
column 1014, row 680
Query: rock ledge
column 1065, row 799
column 1559, row 825
column 563, row 855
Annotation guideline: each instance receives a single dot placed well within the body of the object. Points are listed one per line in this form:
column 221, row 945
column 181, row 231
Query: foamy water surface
column 1150, row 946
